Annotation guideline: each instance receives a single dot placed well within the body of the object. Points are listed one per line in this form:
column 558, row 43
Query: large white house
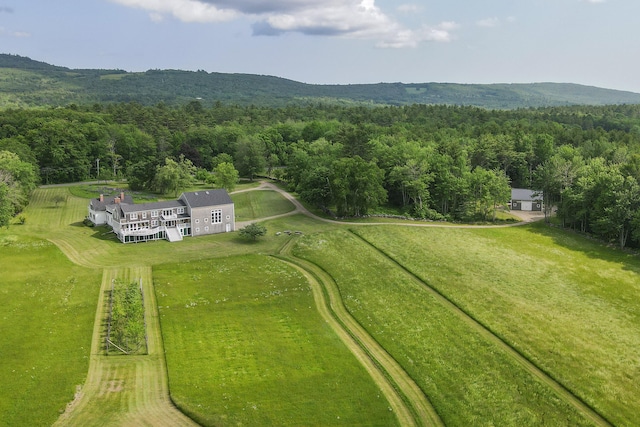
column 195, row 213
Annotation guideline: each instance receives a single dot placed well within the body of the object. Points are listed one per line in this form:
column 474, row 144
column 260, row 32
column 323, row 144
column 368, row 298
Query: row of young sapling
column 126, row 324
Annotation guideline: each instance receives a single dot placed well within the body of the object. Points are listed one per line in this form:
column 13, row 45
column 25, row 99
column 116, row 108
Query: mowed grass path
column 469, row 379
column 245, row 345
column 569, row 304
column 48, row 305
column 580, row 326
column 125, row 390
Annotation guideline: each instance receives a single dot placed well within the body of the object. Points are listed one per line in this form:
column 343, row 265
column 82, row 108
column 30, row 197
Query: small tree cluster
column 253, row 231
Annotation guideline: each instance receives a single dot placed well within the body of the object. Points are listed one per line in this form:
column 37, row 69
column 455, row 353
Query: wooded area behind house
column 431, row 162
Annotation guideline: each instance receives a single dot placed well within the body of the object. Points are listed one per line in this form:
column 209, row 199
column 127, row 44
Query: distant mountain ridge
column 25, row 82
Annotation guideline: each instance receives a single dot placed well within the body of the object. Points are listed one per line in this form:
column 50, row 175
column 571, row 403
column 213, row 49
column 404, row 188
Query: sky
column 590, row 42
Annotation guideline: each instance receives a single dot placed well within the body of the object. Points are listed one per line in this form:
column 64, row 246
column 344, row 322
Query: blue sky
column 592, row 42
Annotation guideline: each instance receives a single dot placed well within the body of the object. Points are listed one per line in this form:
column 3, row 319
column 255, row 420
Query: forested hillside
column 28, row 83
column 432, row 162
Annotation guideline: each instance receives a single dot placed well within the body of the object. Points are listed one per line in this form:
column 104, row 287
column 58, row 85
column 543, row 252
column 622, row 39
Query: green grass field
column 48, row 306
column 569, row 304
column 469, row 380
column 246, row 346
column 486, row 321
column 252, row 205
column 98, row 247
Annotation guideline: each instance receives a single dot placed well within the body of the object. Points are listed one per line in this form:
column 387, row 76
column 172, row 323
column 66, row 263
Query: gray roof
column 199, row 199
column 126, row 208
column 97, row 205
column 525, row 194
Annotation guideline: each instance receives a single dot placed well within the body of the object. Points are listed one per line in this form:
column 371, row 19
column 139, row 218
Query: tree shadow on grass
column 589, row 246
column 248, row 242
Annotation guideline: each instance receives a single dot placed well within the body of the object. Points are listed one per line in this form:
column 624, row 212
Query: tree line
column 434, row 162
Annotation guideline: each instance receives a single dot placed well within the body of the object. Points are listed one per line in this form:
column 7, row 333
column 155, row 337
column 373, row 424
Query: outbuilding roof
column 198, row 199
column 525, row 194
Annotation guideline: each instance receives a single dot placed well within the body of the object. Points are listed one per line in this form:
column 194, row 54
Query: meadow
column 567, row 303
column 521, row 326
column 468, row 379
column 48, row 306
column 245, row 345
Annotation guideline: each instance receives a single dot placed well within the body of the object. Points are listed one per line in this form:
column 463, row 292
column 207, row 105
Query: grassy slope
column 568, row 316
column 98, row 247
column 260, row 204
column 246, row 346
column 570, row 305
column 48, row 306
column 469, row 380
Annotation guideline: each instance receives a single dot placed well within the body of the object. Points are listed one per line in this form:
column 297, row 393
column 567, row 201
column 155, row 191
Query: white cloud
column 409, row 8
column 346, row 18
column 184, row 10
column 488, row 22
column 17, row 34
column 156, row 17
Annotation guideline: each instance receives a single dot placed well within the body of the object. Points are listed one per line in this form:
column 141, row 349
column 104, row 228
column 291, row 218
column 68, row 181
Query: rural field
column 352, row 324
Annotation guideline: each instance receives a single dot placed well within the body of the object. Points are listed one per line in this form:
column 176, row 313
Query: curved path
column 140, row 383
column 404, row 383
column 299, row 208
column 560, row 390
column 411, row 406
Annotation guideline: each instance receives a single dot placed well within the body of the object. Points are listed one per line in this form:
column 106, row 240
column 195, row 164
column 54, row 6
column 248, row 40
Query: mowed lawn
column 250, row 205
column 48, row 308
column 569, row 304
column 98, row 247
column 469, row 380
column 246, row 346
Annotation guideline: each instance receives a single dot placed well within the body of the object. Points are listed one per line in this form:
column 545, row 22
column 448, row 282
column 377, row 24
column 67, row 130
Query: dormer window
column 133, row 216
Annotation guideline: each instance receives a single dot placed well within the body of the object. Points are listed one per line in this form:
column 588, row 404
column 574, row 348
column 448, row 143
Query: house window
column 154, row 222
column 154, row 214
column 197, row 229
column 180, row 210
column 133, row 216
column 197, row 221
column 216, row 216
column 144, row 215
column 206, row 219
column 206, row 228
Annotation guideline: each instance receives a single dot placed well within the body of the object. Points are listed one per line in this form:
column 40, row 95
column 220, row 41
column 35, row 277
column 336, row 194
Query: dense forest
column 28, row 83
column 430, row 162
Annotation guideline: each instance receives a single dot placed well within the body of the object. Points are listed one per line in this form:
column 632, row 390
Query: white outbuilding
column 523, row 199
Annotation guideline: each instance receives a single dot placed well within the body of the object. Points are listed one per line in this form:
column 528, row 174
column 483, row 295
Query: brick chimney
column 116, row 200
column 122, row 196
column 102, row 197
